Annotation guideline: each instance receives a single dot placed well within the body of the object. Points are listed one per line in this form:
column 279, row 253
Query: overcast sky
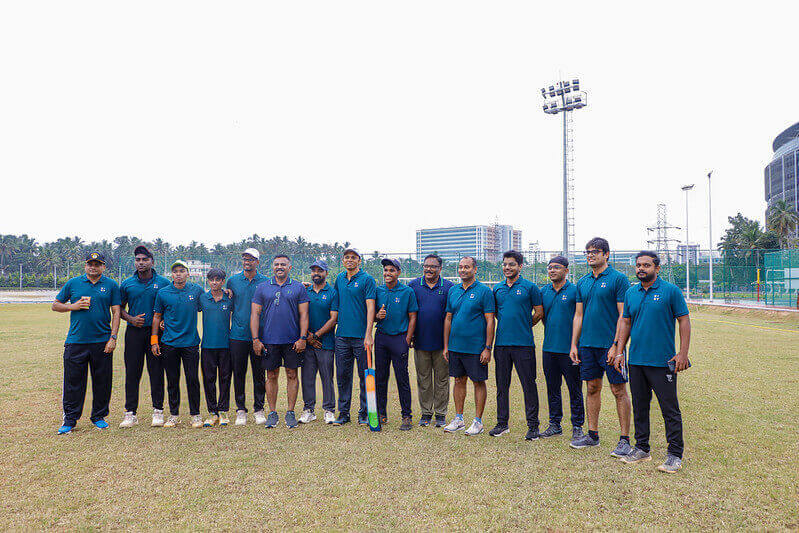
column 363, row 121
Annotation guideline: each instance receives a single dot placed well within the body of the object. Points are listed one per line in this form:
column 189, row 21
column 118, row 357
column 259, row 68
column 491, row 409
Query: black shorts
column 278, row 355
column 467, row 364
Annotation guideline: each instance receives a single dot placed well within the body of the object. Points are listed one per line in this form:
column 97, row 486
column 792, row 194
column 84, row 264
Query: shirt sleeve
column 65, row 293
column 303, row 299
column 334, row 303
column 489, row 305
column 450, row 307
column 158, row 307
column 370, row 289
column 123, row 294
column 621, row 288
column 577, row 293
column 258, row 296
column 116, row 294
column 535, row 296
column 413, row 306
column 626, row 312
column 678, row 306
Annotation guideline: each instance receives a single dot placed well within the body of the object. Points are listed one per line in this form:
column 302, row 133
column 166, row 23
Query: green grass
column 741, row 471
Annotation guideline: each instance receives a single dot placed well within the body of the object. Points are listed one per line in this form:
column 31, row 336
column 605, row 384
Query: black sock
column 593, row 434
column 625, row 437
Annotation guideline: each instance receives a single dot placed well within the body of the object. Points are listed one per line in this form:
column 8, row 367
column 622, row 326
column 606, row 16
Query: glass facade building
column 486, row 243
column 780, row 176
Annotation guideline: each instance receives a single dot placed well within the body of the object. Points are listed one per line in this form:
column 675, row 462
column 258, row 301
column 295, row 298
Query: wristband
column 153, row 339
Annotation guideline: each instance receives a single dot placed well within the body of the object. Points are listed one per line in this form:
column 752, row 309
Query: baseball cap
column 353, row 250
column 559, row 259
column 253, row 252
column 140, row 249
column 392, row 262
column 180, row 263
column 95, row 256
column 216, row 273
column 320, row 263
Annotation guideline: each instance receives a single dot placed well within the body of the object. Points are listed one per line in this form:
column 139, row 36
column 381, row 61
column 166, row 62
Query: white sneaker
column 172, row 421
column 241, row 417
column 475, row 429
column 307, row 416
column 196, row 421
column 260, row 418
column 456, row 424
column 158, row 418
column 129, row 420
column 330, row 417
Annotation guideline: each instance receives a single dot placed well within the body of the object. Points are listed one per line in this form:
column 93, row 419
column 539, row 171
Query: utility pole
column 710, row 232
column 687, row 188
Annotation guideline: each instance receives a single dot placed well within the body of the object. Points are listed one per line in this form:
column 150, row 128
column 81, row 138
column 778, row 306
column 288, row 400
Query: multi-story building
column 486, row 243
column 691, row 252
column 780, row 176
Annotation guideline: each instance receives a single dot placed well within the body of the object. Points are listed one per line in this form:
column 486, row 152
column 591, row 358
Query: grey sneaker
column 622, row 449
column 671, row 464
column 272, row 420
column 291, row 419
column 637, row 455
column 577, row 432
column 551, row 431
column 584, row 442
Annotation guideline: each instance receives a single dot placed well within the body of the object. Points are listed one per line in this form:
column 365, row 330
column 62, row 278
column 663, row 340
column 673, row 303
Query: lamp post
column 687, row 188
column 710, row 232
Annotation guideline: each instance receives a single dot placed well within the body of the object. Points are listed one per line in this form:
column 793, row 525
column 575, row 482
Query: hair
column 513, row 254
column 474, row 261
column 599, row 243
column 434, row 256
column 279, row 256
column 648, row 253
column 216, row 273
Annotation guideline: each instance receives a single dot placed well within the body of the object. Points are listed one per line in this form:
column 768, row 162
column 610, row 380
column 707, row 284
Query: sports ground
column 739, row 401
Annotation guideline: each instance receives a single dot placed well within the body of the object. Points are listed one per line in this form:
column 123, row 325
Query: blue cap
column 320, row 263
column 392, row 262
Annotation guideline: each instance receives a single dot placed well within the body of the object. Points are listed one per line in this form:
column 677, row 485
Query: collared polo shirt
column 320, row 304
column 243, row 291
column 93, row 324
column 429, row 333
column 599, row 297
column 216, row 321
column 399, row 301
column 653, row 313
column 280, row 313
column 559, row 309
column 352, row 296
column 139, row 295
column 515, row 312
column 468, row 307
column 179, row 308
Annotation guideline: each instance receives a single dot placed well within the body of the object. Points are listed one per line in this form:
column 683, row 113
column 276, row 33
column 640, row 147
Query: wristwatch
column 487, row 347
column 303, row 337
column 114, row 337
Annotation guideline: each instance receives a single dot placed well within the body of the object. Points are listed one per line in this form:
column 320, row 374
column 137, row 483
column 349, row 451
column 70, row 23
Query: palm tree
column 8, row 247
column 782, row 220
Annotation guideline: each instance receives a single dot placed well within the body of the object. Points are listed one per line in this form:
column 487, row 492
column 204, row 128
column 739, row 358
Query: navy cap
column 320, row 263
column 216, row 273
column 392, row 262
column 559, row 259
column 95, row 256
column 143, row 251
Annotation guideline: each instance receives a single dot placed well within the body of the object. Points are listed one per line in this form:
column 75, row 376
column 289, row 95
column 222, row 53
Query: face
column 466, row 269
column 431, row 269
column 595, row 257
column 318, row 276
column 351, row 261
column 180, row 275
column 94, row 268
column 557, row 272
column 249, row 263
column 510, row 267
column 281, row 267
column 390, row 274
column 645, row 269
column 216, row 283
column 143, row 263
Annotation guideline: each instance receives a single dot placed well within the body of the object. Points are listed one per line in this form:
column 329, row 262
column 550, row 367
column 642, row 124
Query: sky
column 363, row 121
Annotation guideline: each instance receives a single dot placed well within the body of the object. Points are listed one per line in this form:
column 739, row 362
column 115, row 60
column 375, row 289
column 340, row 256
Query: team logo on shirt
column 102, row 289
column 224, row 307
column 440, row 291
column 518, row 291
column 471, row 296
column 656, row 297
column 155, row 285
column 288, row 292
column 563, row 297
column 191, row 297
column 603, row 285
column 396, row 300
column 355, row 284
column 324, row 296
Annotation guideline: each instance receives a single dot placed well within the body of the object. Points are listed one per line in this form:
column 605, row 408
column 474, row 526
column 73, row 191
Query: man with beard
column 650, row 310
column 138, row 295
column 322, row 317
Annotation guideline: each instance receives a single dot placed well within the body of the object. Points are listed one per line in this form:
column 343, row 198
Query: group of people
column 264, row 323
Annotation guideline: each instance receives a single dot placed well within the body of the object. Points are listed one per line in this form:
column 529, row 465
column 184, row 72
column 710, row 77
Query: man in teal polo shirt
column 177, row 305
column 468, row 338
column 396, row 323
column 600, row 300
column 650, row 310
column 138, row 295
column 93, row 303
column 243, row 286
column 216, row 307
column 356, row 296
column 560, row 301
column 519, row 308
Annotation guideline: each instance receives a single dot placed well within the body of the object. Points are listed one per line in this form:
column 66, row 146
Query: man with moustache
column 138, row 296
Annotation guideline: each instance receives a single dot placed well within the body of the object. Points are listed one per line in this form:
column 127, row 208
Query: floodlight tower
column 564, row 97
column 686, row 189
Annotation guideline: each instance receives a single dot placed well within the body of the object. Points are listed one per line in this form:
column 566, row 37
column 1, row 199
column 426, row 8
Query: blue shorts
column 467, row 364
column 594, row 363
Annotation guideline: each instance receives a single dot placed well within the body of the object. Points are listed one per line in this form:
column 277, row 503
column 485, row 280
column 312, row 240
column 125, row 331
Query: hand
column 299, row 346
column 80, row 305
column 161, row 325
column 229, row 293
column 485, row 356
column 611, row 355
column 409, row 340
column 382, row 313
column 680, row 362
column 258, row 347
column 156, row 350
column 110, row 345
column 574, row 355
column 316, row 343
column 367, row 342
column 137, row 320
column 307, row 284
column 445, row 353
column 618, row 361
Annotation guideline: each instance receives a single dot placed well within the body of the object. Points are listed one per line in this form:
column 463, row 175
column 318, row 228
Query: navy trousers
column 348, row 351
column 79, row 360
column 558, row 367
column 392, row 350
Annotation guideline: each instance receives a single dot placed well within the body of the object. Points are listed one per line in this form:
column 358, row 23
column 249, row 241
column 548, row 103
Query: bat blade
column 371, row 392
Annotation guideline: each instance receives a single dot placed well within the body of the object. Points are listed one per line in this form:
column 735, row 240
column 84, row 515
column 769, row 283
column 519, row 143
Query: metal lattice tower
column 662, row 241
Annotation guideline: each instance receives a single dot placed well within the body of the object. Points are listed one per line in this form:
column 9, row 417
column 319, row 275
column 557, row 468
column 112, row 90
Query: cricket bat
column 371, row 392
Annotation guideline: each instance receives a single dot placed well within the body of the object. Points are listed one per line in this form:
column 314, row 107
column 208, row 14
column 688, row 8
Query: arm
column 61, row 307
column 577, row 326
column 370, row 322
column 112, row 342
column 447, row 328
column 327, row 326
column 622, row 334
column 485, row 357
column 255, row 323
column 411, row 328
column 616, row 347
column 299, row 346
column 154, row 346
column 538, row 314
column 681, row 359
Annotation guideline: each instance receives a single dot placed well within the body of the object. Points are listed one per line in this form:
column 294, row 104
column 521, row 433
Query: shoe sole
column 472, row 434
column 292, row 427
column 666, row 471
column 618, row 456
column 534, row 438
column 157, row 424
column 65, row 432
column 126, row 427
column 624, row 460
column 572, row 445
column 503, row 432
column 454, row 430
column 541, row 435
column 308, row 422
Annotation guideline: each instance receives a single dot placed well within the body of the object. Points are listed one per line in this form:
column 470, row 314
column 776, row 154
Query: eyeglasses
column 593, row 252
column 431, row 267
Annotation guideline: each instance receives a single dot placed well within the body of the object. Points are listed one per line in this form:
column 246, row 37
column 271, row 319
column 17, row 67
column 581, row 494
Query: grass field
column 740, row 404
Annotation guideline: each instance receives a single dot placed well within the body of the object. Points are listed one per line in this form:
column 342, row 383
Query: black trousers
column 215, row 361
column 644, row 380
column 137, row 351
column 240, row 352
column 523, row 358
column 79, row 360
column 392, row 350
column 190, row 358
column 557, row 368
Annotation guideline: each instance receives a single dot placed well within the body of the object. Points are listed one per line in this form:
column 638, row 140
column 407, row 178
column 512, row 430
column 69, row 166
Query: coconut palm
column 782, row 220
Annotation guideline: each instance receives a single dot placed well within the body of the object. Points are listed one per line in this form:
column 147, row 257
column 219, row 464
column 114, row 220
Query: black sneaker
column 363, row 419
column 584, row 442
column 552, row 430
column 532, row 434
column 441, row 421
column 341, row 420
column 407, row 423
column 425, row 420
column 499, row 430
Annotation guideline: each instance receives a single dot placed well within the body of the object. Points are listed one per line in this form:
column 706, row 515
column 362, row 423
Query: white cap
column 253, row 252
column 353, row 250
